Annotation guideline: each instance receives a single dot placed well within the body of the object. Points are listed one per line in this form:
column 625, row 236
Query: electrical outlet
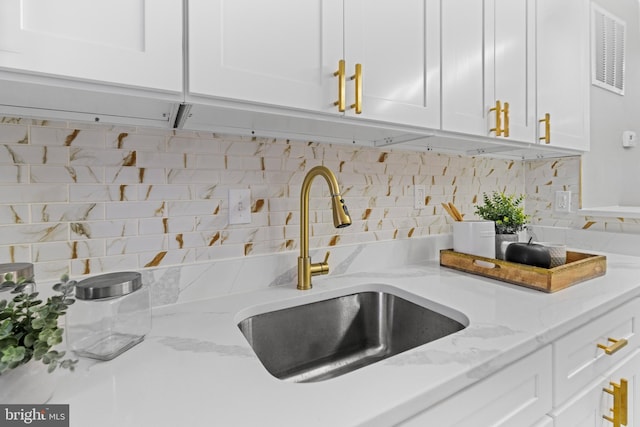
column 239, row 206
column 563, row 201
column 419, row 195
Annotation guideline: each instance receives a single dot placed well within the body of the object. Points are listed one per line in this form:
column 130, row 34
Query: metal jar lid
column 18, row 270
column 108, row 285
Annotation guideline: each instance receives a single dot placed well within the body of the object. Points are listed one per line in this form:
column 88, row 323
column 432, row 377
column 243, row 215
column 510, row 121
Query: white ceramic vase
column 28, row 384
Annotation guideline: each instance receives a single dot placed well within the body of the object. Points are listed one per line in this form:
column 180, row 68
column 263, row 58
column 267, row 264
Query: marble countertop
column 195, row 368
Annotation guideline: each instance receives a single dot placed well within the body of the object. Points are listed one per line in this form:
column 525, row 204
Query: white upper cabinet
column 279, row 52
column 488, row 58
column 287, row 53
column 133, row 43
column 398, row 47
column 563, row 73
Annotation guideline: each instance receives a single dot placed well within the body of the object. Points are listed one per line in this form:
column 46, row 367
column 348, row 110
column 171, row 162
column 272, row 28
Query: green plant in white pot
column 507, row 212
column 30, row 329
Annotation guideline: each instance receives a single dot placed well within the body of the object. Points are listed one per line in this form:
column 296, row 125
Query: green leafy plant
column 29, row 326
column 505, row 210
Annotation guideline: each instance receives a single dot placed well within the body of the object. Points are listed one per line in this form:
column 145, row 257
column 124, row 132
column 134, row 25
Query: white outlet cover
column 419, row 195
column 239, row 206
column 563, row 201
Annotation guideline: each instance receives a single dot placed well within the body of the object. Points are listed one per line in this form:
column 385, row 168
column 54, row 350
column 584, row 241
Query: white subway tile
column 13, row 134
column 27, row 233
column 178, row 144
column 61, row 251
column 134, row 175
column 103, row 229
column 164, row 192
column 15, row 253
column 67, row 137
column 66, row 174
column 124, row 210
column 14, row 214
column 30, row 155
column 103, row 193
column 34, row 193
column 135, row 244
column 133, row 141
column 14, row 174
column 65, row 212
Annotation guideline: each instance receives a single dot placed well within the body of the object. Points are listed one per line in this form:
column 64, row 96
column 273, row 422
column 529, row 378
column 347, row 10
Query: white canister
column 475, row 238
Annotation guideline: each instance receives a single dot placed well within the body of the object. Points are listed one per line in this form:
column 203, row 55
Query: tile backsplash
column 92, row 198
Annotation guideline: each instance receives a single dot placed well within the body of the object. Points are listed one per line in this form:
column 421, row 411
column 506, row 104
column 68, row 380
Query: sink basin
column 329, row 338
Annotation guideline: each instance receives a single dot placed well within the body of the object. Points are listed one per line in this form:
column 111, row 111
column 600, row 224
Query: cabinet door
column 588, row 408
column 518, row 395
column 464, row 101
column 398, row 45
column 279, row 52
column 124, row 42
column 563, row 71
column 487, row 56
column 510, row 63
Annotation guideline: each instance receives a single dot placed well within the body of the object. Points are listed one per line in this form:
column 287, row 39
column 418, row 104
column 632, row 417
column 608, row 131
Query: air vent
column 608, row 43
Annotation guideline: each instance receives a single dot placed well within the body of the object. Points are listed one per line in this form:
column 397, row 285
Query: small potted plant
column 29, row 331
column 507, row 212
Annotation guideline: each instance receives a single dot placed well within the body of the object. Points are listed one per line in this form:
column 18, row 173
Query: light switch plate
column 239, row 206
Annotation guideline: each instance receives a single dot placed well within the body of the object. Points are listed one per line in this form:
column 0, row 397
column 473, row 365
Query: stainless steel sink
column 329, row 338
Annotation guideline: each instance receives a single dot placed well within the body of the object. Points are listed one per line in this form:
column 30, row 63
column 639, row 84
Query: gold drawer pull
column 617, row 345
column 547, row 128
column 498, row 110
column 340, row 74
column 620, row 408
column 358, row 82
column 505, row 111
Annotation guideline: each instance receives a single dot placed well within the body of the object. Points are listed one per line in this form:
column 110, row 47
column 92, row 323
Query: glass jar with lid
column 112, row 313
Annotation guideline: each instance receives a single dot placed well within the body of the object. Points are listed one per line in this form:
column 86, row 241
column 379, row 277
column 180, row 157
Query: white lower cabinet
column 588, row 377
column 579, row 358
column 593, row 403
column 518, row 395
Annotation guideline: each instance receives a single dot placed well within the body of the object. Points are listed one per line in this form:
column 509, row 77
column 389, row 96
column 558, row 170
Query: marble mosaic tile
column 160, row 196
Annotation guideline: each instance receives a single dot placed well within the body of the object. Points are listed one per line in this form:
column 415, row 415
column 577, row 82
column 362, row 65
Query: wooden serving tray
column 578, row 268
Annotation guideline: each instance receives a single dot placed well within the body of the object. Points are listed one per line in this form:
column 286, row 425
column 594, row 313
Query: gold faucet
column 341, row 218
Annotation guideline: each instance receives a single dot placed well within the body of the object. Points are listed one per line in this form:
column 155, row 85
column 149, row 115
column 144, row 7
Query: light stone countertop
column 195, row 368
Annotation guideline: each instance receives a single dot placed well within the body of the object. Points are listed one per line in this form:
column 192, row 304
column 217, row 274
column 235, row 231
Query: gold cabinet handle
column 547, row 128
column 619, row 411
column 358, row 78
column 498, row 110
column 617, row 345
column 341, row 103
column 505, row 111
column 624, row 401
